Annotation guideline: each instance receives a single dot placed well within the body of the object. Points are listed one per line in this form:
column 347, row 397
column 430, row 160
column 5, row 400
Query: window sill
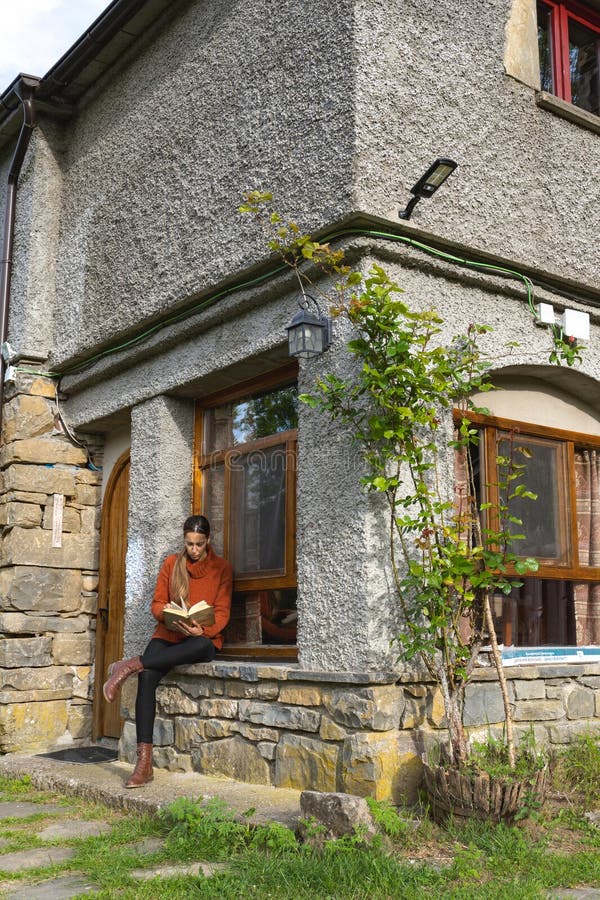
column 264, row 651
column 568, row 111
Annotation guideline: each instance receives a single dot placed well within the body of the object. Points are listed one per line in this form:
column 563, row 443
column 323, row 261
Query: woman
column 195, row 574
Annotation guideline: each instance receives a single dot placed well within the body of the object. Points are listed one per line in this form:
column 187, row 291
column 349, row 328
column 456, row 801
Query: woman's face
column 196, row 545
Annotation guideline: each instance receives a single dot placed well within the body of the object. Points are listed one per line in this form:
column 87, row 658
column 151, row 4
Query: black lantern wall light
column 309, row 333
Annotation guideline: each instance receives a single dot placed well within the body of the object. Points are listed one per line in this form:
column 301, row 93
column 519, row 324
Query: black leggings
column 158, row 658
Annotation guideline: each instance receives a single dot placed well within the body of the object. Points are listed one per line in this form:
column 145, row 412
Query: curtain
column 586, row 595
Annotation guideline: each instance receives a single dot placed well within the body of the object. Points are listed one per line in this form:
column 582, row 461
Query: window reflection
column 584, row 55
column 262, row 618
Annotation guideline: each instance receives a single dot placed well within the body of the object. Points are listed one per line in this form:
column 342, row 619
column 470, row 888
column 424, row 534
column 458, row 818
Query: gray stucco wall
column 335, row 107
column 33, row 295
column 431, row 82
column 159, row 503
column 229, row 97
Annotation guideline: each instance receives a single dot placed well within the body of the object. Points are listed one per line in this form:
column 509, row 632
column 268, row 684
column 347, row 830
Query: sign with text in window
column 522, row 656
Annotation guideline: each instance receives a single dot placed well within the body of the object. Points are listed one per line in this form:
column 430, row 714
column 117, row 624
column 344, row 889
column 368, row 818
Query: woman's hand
column 190, row 629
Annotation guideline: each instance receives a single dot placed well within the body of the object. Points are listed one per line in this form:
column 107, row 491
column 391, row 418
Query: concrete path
column 104, row 783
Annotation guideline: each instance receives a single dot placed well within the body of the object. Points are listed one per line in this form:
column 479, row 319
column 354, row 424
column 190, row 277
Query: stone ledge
column 568, row 111
column 244, row 671
column 35, row 696
column 540, row 670
column 530, row 672
column 251, row 672
column 343, row 677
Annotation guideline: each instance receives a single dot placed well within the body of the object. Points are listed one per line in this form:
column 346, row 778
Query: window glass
column 544, row 519
column 587, row 498
column 214, row 505
column 249, row 419
column 263, row 617
column 584, row 55
column 246, row 485
column 540, row 612
column 544, row 14
column 257, row 510
column 569, row 52
column 558, row 604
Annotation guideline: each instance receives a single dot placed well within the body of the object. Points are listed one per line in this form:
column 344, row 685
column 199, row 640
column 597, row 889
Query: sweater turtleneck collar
column 198, row 569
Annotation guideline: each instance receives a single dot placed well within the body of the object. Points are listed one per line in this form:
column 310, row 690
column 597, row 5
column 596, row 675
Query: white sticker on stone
column 57, row 519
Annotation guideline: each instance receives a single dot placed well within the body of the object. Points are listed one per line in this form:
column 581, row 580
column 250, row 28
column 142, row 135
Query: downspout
column 25, row 91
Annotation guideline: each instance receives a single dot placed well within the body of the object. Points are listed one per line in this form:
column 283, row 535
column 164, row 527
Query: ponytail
column 179, row 585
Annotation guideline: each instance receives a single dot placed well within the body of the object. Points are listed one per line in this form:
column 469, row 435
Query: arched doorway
column 111, row 593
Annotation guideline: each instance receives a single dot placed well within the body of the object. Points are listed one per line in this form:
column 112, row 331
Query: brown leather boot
column 142, row 773
column 118, row 672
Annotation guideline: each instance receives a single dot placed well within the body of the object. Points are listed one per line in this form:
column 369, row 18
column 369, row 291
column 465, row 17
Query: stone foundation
column 361, row 734
column 48, row 588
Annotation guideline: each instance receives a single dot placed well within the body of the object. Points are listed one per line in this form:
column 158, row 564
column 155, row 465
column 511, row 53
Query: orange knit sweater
column 210, row 580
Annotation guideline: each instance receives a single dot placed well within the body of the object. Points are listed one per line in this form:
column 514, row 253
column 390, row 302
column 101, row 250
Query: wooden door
column 111, row 594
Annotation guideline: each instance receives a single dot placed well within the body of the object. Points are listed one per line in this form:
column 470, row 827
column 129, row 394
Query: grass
column 557, row 848
column 578, row 769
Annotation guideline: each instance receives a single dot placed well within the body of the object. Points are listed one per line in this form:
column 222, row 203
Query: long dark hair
column 179, row 586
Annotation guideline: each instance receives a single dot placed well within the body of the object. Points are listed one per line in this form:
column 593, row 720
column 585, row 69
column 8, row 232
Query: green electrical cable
column 272, row 273
column 447, row 256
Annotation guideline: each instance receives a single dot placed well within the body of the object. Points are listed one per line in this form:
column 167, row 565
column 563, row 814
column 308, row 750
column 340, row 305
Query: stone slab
column 25, row 417
column 29, row 515
column 66, row 831
column 277, row 716
column 43, row 450
column 231, row 757
column 35, row 858
column 62, row 888
column 22, row 623
column 17, row 809
column 26, row 726
column 339, row 813
column 206, row 868
column 302, row 761
column 42, row 589
column 40, row 479
column 18, row 652
column 147, row 845
column 42, row 678
column 33, row 547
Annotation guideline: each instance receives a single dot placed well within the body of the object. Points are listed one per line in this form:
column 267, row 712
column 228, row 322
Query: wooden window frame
column 280, row 378
column 561, row 11
column 491, row 427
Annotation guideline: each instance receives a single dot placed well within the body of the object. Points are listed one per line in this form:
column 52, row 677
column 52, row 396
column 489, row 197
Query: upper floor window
column 245, row 482
column 569, row 48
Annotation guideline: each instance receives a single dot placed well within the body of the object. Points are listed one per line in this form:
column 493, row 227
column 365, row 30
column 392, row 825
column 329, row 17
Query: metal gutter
column 25, row 90
column 89, row 45
column 102, row 44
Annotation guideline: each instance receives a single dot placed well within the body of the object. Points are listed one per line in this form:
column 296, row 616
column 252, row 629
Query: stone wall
column 48, row 585
column 362, row 734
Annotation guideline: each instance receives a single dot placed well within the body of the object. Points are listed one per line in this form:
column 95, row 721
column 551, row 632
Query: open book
column 200, row 612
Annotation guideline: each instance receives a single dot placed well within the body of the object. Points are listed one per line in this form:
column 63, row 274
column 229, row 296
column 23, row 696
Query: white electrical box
column 546, row 314
column 576, row 324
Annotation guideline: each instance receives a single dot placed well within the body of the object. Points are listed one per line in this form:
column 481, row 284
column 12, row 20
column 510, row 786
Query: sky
column 34, row 34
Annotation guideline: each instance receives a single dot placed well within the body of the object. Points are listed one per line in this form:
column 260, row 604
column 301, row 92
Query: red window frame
column 559, row 31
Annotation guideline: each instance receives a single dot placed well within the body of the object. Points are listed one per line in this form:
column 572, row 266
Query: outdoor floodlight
column 308, row 333
column 427, row 185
